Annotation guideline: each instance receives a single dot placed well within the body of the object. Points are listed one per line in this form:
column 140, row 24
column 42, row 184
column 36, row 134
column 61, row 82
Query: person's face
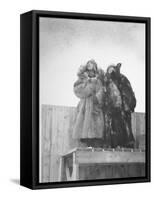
column 91, row 70
column 111, row 70
column 90, row 66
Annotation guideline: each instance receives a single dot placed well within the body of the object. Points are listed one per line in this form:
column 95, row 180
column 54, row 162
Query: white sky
column 65, row 44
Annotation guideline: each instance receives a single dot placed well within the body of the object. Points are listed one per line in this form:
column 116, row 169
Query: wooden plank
column 61, row 169
column 54, row 155
column 110, row 157
column 46, row 145
column 106, row 171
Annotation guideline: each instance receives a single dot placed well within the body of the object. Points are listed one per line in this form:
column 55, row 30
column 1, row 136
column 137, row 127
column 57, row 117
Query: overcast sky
column 65, row 44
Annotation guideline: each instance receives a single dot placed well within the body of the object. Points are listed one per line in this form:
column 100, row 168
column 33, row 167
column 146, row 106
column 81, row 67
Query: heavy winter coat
column 121, row 101
column 89, row 121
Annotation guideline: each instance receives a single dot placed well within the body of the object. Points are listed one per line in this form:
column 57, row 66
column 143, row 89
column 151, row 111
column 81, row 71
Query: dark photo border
column 29, row 98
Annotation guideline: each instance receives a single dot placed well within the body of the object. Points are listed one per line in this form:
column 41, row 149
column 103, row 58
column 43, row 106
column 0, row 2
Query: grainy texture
column 56, row 137
column 102, row 171
column 110, row 157
column 85, row 164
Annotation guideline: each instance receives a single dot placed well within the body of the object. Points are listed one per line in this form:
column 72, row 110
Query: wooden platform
column 90, row 163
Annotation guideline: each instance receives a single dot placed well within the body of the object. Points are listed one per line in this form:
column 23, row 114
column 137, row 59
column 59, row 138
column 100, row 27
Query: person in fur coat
column 120, row 103
column 89, row 123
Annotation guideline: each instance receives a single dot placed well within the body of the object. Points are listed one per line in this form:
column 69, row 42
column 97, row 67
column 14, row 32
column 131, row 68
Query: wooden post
column 61, row 169
column 75, row 173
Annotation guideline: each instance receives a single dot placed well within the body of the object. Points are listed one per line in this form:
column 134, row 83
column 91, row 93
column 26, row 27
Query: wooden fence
column 56, row 137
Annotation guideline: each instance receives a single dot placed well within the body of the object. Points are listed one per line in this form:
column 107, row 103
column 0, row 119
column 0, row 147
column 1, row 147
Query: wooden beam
column 109, row 157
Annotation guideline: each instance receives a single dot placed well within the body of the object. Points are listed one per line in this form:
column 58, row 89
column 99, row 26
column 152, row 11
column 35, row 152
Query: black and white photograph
column 92, row 99
column 76, row 100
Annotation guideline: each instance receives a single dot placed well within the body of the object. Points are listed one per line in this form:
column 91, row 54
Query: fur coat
column 89, row 121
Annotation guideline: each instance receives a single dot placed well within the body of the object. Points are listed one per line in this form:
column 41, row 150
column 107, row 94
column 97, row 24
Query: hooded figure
column 89, row 123
column 121, row 101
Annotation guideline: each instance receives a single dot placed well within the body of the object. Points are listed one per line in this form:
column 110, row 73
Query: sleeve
column 83, row 89
column 128, row 95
